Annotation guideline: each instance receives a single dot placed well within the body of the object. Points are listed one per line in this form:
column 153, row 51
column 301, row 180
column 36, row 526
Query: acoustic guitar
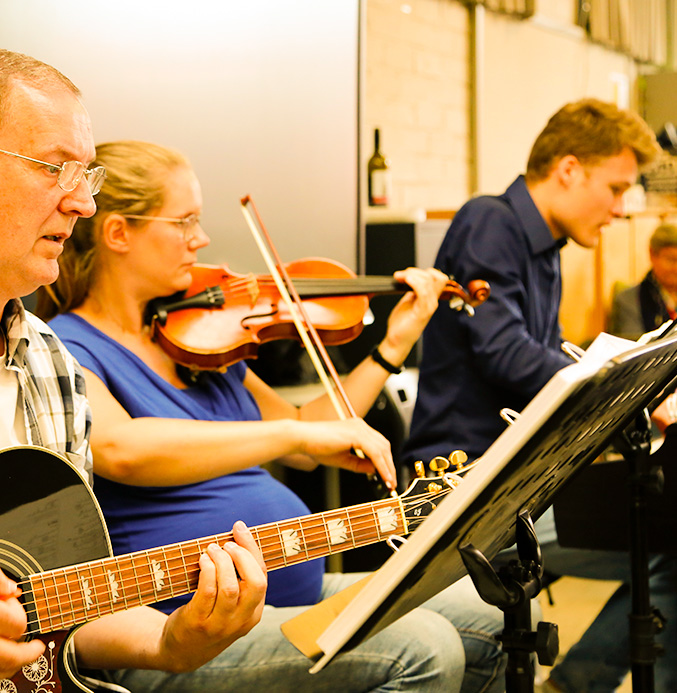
column 54, row 543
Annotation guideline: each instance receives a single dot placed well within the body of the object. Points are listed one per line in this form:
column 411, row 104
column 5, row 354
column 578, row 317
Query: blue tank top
column 143, row 517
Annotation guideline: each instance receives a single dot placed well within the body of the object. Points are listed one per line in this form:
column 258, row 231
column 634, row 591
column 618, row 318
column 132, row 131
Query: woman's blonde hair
column 135, row 184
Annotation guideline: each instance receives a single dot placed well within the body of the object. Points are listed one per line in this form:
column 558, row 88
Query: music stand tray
column 565, row 427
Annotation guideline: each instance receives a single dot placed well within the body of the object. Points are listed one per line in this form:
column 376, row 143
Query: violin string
column 328, row 287
column 139, row 582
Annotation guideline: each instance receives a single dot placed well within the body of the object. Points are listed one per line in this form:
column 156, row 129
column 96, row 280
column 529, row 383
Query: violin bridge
column 253, row 290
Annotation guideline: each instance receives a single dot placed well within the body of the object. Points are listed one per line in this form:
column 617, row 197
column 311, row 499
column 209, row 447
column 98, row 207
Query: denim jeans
column 599, row 661
column 422, row 651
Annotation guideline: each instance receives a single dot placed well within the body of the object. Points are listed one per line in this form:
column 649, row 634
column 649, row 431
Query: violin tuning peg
column 456, row 303
column 469, row 309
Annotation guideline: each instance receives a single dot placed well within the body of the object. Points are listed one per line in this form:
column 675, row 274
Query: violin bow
column 311, row 340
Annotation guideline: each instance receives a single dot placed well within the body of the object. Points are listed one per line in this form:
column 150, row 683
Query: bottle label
column 381, row 186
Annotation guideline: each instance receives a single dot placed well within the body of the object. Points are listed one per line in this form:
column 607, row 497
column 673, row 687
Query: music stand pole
column 645, row 478
column 511, row 590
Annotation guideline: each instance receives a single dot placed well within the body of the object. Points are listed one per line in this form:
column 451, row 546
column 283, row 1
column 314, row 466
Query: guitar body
column 49, row 518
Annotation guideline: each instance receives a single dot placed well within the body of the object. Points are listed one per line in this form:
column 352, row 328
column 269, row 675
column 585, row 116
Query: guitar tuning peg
column 439, row 464
column 419, row 469
column 458, row 458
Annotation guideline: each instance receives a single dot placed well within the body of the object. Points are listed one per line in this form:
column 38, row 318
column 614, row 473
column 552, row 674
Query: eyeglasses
column 186, row 224
column 70, row 173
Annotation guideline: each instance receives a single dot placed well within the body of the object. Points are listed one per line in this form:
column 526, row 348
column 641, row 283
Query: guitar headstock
column 426, row 492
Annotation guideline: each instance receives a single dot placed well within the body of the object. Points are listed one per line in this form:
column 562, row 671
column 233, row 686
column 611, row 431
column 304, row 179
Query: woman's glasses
column 187, row 224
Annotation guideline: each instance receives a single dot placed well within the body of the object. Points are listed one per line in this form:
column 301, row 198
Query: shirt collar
column 15, row 326
column 537, row 232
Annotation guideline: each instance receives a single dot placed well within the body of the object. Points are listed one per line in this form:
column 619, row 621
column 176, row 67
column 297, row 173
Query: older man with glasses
column 45, row 189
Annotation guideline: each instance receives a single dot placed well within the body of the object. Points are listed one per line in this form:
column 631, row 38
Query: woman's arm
column 163, row 452
column 406, row 323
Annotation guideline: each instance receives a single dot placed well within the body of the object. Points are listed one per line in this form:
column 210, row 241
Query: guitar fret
column 168, row 571
column 268, row 538
column 49, row 593
column 326, row 533
column 303, row 534
column 96, row 601
column 338, row 529
column 70, row 578
column 350, row 528
column 113, row 579
column 43, row 593
column 376, row 526
column 154, row 575
column 132, row 563
column 85, row 590
column 292, row 541
column 185, row 567
column 279, row 533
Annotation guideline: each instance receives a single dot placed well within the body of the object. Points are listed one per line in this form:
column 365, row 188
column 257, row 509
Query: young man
column 580, row 165
column 45, row 134
column 579, row 168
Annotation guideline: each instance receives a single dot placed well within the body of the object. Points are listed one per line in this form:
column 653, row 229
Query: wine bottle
column 378, row 173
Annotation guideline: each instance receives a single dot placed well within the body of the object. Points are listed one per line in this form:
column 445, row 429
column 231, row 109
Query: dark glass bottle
column 378, row 172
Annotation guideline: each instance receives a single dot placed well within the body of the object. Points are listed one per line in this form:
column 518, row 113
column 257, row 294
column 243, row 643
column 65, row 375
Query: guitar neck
column 65, row 597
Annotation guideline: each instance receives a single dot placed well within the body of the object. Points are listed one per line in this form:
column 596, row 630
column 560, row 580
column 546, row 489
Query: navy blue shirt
column 472, row 367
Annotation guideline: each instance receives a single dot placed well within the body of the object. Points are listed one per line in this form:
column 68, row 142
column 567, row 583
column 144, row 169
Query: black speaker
column 388, row 247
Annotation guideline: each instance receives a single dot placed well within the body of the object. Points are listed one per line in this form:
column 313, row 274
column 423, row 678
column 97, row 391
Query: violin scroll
column 466, row 299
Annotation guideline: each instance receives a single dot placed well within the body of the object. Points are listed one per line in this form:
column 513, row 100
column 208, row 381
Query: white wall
column 261, row 95
column 531, row 69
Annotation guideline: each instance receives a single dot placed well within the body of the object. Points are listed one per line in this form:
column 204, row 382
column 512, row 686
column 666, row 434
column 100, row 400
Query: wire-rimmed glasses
column 70, row 173
column 187, row 224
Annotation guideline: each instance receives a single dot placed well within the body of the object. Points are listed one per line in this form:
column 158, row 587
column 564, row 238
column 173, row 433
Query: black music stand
column 564, row 428
column 633, row 511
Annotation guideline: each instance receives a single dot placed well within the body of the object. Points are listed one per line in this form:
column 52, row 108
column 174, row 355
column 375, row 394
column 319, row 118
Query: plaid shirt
column 51, row 386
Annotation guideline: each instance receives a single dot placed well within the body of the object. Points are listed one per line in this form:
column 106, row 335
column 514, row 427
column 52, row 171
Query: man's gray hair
column 17, row 66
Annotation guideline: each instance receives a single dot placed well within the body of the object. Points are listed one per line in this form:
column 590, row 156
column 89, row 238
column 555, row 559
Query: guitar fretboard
column 65, row 597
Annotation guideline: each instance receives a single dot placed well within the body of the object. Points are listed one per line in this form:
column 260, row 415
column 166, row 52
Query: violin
column 224, row 316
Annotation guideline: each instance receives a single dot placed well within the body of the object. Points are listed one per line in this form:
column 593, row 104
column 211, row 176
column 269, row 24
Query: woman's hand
column 334, row 443
column 412, row 313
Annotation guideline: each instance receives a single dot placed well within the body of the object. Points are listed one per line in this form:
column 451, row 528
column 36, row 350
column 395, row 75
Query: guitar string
column 270, row 544
column 272, row 540
column 70, row 576
column 142, row 581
